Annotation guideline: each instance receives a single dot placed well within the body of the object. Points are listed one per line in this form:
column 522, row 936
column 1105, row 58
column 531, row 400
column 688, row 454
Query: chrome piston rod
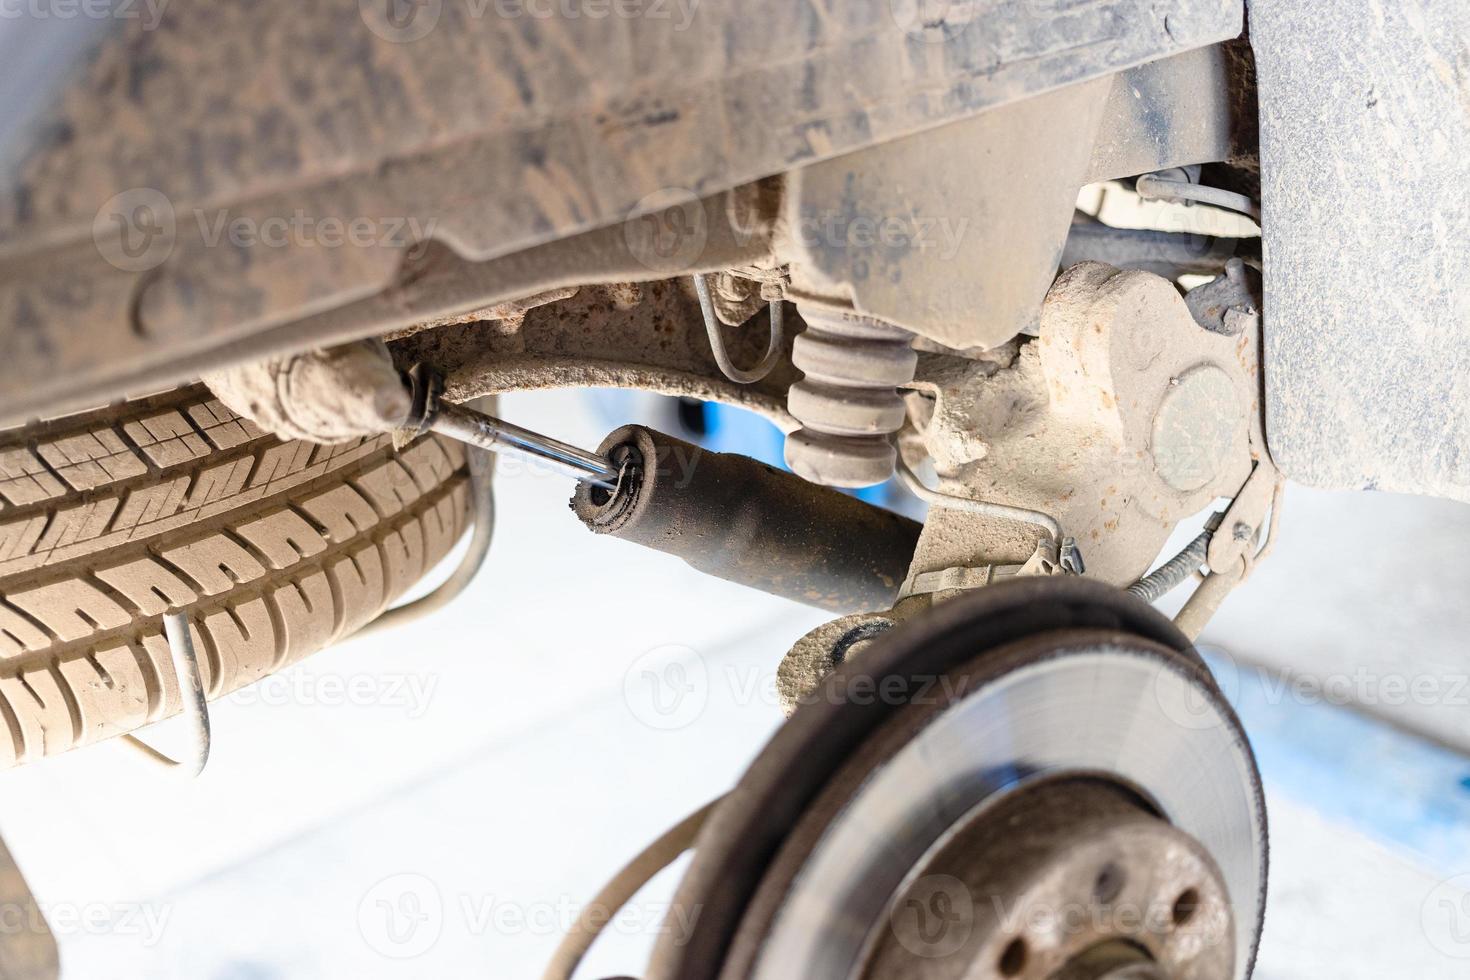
column 498, row 436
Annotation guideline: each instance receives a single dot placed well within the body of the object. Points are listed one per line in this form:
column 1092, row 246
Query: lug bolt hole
column 1109, row 884
column 1185, row 906
column 1013, row 958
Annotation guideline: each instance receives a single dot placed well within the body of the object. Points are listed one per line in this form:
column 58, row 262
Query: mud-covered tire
column 111, row 518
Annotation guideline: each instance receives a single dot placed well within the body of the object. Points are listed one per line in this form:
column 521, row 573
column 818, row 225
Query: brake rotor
column 1044, row 768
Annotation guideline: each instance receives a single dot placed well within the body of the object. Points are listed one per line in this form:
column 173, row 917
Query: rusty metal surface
column 639, row 335
column 1121, row 419
column 746, row 522
column 436, row 286
column 1072, row 703
column 1365, row 153
column 1083, row 845
column 485, row 130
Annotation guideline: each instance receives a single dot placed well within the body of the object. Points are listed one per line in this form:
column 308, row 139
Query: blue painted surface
column 734, row 430
column 726, row 429
column 1408, row 793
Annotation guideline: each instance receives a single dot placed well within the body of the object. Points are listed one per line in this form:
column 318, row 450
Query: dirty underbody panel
column 1365, row 155
column 487, row 134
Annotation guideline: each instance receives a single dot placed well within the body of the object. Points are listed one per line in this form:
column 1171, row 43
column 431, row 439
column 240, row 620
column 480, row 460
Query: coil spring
column 848, row 403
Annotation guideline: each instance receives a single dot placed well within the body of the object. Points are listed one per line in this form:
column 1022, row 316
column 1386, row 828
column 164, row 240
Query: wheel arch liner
column 1365, row 160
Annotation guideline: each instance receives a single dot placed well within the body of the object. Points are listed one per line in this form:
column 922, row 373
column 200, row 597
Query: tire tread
column 276, row 549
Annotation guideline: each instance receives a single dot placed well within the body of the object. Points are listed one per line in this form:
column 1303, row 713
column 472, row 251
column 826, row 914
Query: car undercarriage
column 1079, row 275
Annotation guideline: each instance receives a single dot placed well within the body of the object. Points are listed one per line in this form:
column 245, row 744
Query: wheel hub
column 1067, row 879
column 1062, row 705
column 1044, row 742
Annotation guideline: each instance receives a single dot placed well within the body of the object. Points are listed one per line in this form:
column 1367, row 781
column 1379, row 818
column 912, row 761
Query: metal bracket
column 1178, row 186
column 1238, row 554
column 1245, row 517
column 1041, row 562
column 984, row 508
column 774, row 346
column 191, row 693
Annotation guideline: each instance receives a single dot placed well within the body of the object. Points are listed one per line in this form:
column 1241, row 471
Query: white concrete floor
column 437, row 803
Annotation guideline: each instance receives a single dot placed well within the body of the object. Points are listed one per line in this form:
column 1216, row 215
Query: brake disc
column 1039, row 780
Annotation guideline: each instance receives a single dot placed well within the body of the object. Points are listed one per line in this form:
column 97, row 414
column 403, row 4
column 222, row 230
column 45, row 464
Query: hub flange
column 963, row 712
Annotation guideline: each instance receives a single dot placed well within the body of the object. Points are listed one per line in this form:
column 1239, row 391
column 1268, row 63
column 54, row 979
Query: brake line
column 620, row 890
